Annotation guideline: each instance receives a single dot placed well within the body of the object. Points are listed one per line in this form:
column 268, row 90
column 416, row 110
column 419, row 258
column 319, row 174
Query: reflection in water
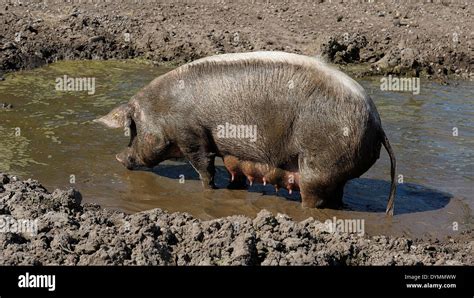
column 58, row 139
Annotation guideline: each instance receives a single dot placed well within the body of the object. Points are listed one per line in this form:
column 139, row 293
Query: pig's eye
column 133, row 131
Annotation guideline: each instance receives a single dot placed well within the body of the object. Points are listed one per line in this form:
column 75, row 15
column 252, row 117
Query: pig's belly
column 257, row 172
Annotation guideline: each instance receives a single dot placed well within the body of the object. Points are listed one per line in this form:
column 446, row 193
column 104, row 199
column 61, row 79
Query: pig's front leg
column 203, row 162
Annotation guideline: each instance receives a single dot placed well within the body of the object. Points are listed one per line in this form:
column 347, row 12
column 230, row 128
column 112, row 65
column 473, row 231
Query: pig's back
column 264, row 79
column 284, row 95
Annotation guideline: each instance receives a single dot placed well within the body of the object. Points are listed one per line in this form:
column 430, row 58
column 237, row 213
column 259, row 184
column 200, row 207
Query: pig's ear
column 117, row 118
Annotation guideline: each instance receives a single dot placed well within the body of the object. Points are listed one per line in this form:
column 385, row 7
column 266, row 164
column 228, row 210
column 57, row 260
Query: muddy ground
column 410, row 37
column 71, row 233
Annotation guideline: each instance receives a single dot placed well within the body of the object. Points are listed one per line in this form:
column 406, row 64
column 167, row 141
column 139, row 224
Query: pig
column 269, row 115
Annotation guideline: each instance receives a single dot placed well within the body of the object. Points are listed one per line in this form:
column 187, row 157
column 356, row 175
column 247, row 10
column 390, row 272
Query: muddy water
column 49, row 135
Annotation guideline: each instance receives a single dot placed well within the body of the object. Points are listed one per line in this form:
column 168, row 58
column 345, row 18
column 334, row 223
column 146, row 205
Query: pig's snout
column 126, row 160
column 119, row 158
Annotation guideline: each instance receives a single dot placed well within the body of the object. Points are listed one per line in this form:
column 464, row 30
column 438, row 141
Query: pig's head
column 149, row 144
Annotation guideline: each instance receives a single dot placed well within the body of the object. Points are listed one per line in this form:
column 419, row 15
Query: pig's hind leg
column 320, row 186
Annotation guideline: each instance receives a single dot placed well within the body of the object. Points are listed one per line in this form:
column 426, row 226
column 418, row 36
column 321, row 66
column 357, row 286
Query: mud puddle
column 49, row 135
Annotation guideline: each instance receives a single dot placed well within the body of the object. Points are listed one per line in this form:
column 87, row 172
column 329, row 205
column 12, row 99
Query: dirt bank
column 409, row 38
column 71, row 233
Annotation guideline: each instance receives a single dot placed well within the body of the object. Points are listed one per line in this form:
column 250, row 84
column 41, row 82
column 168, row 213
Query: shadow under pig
column 361, row 195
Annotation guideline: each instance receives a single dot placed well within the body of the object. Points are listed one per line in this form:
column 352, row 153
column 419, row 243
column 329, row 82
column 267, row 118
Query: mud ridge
column 407, row 38
column 70, row 233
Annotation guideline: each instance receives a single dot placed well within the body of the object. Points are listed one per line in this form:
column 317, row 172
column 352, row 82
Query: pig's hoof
column 209, row 186
column 308, row 204
column 312, row 203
